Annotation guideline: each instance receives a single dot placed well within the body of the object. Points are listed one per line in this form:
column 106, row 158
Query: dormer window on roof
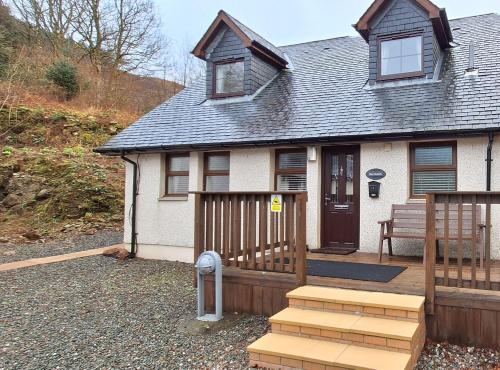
column 239, row 61
column 229, row 78
column 401, row 56
column 407, row 39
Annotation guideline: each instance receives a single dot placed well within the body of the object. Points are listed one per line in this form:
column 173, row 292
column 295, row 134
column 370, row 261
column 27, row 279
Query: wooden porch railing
column 242, row 229
column 440, row 221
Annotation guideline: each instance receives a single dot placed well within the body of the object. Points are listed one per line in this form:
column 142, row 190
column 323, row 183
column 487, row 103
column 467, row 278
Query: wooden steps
column 329, row 328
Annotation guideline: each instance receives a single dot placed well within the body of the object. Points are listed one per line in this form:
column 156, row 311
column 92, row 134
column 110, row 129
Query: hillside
column 50, row 180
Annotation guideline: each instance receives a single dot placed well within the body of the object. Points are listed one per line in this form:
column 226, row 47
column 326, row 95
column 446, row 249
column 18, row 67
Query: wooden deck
column 462, row 316
column 410, row 281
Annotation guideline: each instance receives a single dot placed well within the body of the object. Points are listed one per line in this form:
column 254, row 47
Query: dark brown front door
column 341, row 197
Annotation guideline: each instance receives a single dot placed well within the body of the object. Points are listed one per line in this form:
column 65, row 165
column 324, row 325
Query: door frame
column 357, row 186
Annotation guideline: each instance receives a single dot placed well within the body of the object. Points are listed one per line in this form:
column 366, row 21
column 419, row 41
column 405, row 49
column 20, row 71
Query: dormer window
column 229, row 78
column 400, row 57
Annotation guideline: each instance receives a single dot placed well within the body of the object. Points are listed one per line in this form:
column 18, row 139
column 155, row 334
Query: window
column 291, row 170
column 177, row 174
column 216, row 175
column 228, row 78
column 400, row 57
column 433, row 168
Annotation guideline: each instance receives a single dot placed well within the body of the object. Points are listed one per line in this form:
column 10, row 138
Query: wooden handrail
column 242, row 229
column 466, row 221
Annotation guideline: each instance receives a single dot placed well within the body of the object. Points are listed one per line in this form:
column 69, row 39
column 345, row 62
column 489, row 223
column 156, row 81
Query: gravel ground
column 100, row 313
column 70, row 243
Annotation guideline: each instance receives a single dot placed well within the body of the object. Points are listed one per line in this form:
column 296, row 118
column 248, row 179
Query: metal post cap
column 205, row 263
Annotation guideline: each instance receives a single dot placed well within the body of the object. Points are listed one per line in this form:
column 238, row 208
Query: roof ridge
column 358, row 37
column 473, row 16
column 321, row 40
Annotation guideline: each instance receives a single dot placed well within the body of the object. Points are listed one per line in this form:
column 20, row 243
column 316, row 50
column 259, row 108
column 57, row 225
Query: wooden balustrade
column 242, row 229
column 457, row 217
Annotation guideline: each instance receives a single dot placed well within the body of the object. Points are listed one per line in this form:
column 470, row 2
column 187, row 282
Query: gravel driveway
column 100, row 313
column 68, row 244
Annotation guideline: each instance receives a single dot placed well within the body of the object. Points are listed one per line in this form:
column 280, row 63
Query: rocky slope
column 51, row 182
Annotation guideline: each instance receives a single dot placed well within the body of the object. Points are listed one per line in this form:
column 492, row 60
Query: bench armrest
column 385, row 222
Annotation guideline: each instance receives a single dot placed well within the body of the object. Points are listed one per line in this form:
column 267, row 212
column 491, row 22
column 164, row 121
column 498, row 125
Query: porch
column 265, row 257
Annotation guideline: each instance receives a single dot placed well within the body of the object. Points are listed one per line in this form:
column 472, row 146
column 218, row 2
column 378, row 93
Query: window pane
column 411, row 46
column 349, row 180
column 178, row 184
column 431, row 156
column 217, row 183
column 292, row 160
column 229, row 77
column 218, row 162
column 391, row 49
column 401, row 56
column 411, row 63
column 295, row 182
column 178, row 164
column 430, row 181
column 335, row 179
column 391, row 66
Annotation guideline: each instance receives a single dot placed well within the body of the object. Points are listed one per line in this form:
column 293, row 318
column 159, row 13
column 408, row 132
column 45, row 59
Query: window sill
column 173, row 198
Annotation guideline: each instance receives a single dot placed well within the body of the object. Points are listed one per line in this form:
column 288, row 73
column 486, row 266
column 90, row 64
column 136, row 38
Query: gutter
column 299, row 141
column 133, row 236
column 489, row 160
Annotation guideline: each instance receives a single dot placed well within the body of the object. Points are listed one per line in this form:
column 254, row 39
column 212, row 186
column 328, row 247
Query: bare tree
column 51, row 19
column 186, row 67
column 123, row 35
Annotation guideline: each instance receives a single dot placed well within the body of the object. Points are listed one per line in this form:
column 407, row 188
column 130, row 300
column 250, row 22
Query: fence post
column 430, row 252
column 198, row 229
column 300, row 247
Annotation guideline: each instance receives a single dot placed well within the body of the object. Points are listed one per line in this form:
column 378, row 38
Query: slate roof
column 323, row 98
column 254, row 36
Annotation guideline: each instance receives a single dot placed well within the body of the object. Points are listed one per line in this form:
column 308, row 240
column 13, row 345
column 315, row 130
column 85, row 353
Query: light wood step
column 359, row 330
column 278, row 351
column 375, row 304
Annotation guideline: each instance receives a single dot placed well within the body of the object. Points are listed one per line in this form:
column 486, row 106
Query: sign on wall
column 375, row 174
column 276, row 203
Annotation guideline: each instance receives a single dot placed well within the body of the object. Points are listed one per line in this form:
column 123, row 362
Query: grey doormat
column 352, row 271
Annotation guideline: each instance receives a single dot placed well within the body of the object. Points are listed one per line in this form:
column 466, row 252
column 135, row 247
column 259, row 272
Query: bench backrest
column 412, row 217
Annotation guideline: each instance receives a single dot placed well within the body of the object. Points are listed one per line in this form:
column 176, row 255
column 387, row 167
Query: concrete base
column 164, row 252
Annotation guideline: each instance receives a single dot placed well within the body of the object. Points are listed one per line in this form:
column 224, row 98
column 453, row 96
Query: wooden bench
column 408, row 222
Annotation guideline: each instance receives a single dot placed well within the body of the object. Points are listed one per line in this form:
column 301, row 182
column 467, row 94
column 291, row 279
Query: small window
column 400, row 57
column 177, row 174
column 433, row 168
column 291, row 170
column 228, row 78
column 216, row 175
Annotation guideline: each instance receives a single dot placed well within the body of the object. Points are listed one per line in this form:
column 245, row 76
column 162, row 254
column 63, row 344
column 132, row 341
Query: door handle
column 327, row 199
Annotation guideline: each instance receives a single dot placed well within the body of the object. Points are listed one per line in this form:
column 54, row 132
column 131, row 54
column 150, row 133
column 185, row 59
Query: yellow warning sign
column 276, row 203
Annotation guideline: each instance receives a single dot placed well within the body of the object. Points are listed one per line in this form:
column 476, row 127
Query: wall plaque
column 375, row 174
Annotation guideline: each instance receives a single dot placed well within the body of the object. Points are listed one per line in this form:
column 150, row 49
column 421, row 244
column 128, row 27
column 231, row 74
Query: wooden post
column 198, row 228
column 300, row 229
column 430, row 253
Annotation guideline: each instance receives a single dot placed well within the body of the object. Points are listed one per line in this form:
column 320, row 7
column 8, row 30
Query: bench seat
column 408, row 222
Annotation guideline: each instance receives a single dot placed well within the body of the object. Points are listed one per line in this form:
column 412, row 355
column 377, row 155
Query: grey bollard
column 207, row 263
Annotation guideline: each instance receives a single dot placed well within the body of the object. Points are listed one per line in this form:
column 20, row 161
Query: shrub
column 64, row 75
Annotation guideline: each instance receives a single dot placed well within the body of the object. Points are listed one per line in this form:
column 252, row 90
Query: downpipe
column 133, row 236
column 489, row 160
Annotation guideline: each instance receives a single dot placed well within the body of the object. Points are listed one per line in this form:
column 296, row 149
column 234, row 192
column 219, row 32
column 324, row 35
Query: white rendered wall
column 165, row 226
column 394, row 159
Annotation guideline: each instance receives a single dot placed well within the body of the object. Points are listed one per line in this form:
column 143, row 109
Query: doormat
column 338, row 251
column 352, row 271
